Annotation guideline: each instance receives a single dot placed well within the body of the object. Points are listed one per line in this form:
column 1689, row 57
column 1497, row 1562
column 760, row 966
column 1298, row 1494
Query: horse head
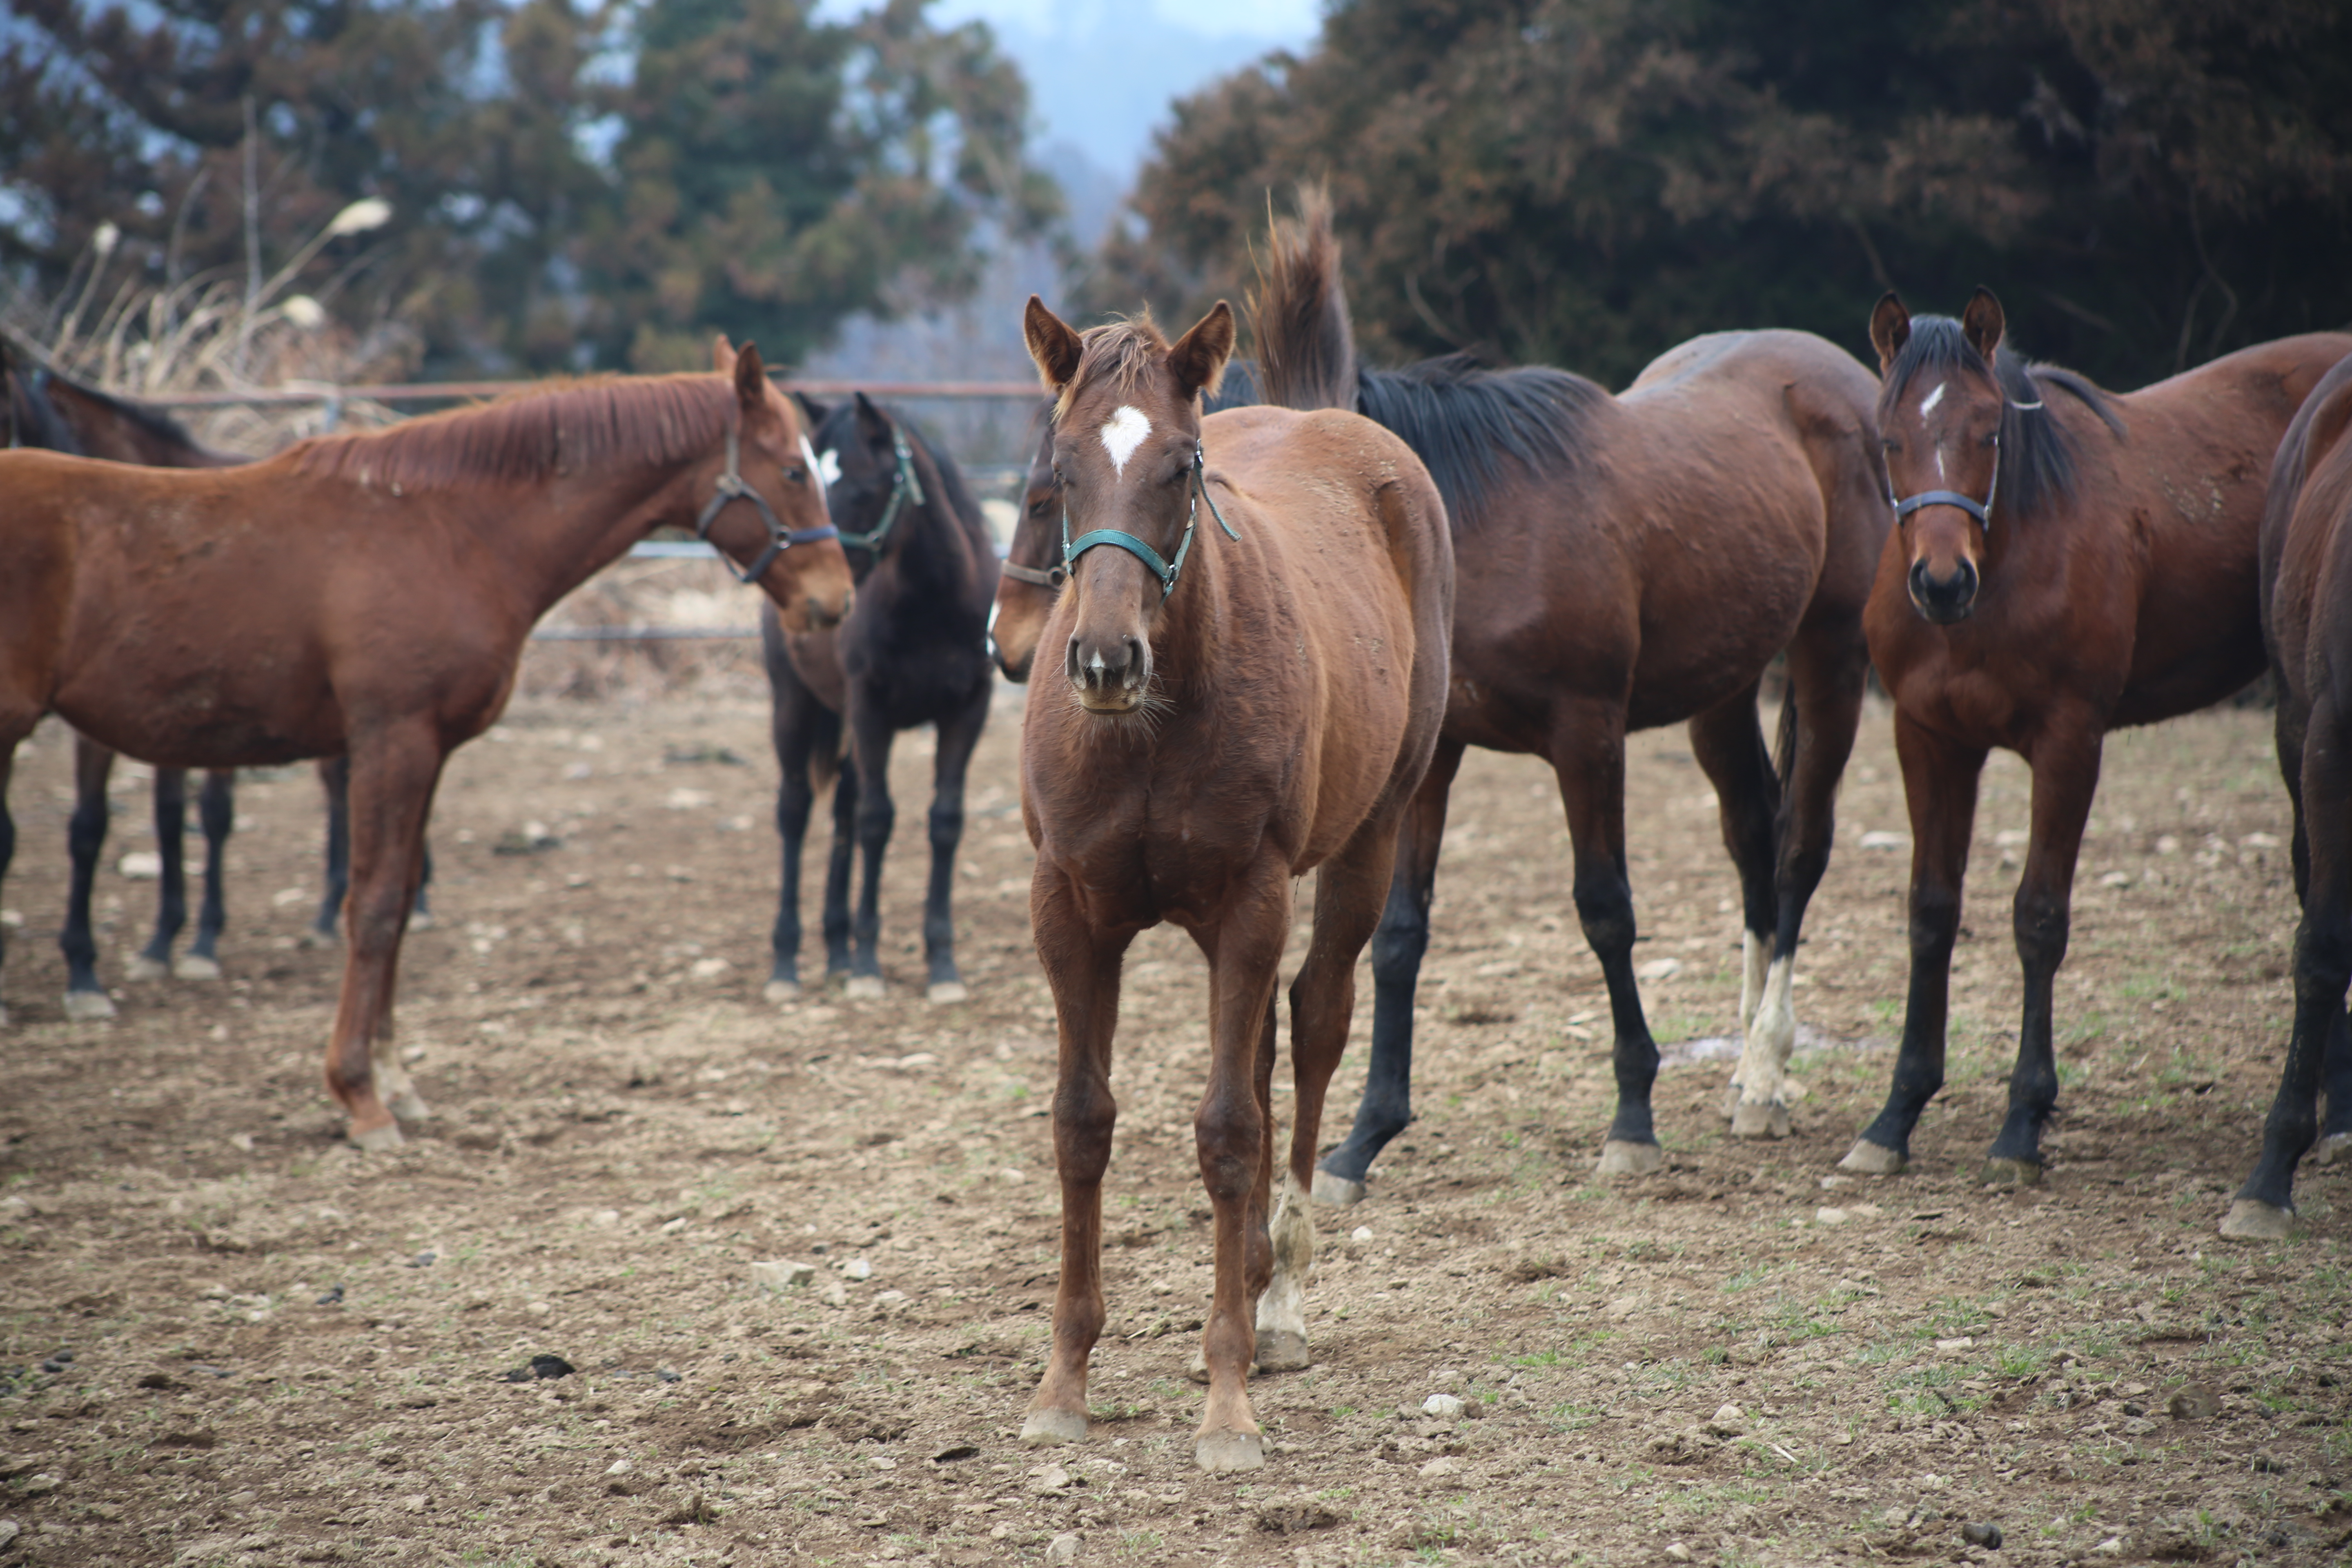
column 1126, row 457
column 1940, row 418
column 867, row 462
column 768, row 456
column 1033, row 570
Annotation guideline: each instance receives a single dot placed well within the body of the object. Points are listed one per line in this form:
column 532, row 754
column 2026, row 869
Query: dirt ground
column 284, row 1351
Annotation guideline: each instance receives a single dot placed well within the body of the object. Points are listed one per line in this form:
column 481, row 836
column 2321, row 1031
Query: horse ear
column 1890, row 328
column 722, row 354
column 1051, row 345
column 814, row 412
column 1199, row 357
column 1981, row 324
column 872, row 423
column 750, row 379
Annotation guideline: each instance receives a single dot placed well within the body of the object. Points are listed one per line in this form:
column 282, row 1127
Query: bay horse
column 2306, row 592
column 912, row 652
column 368, row 595
column 1624, row 562
column 2066, row 562
column 60, row 413
column 1252, row 652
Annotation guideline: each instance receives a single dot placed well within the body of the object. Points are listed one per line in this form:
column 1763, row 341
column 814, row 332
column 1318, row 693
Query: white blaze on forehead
column 808, row 455
column 828, row 465
column 1928, row 404
column 1122, row 433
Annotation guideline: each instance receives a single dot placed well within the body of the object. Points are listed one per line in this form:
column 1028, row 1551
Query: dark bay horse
column 2307, row 589
column 1624, row 562
column 1252, row 654
column 368, row 595
column 2066, row 563
column 912, row 652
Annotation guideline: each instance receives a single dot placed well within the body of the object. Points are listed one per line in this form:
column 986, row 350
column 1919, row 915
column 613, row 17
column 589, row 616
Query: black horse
column 45, row 409
column 912, row 652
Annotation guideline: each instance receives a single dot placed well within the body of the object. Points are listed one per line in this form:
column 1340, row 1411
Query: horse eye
column 1890, row 444
column 1993, row 439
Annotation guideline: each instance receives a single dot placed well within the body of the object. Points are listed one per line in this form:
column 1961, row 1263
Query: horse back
column 2306, row 556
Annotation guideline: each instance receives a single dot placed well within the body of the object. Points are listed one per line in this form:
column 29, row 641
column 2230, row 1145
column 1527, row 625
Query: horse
column 2066, row 562
column 1624, row 562
column 912, row 652
column 53, row 411
column 2305, row 579
column 368, row 595
column 1252, row 694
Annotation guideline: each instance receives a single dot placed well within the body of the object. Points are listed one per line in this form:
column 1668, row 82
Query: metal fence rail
column 462, row 391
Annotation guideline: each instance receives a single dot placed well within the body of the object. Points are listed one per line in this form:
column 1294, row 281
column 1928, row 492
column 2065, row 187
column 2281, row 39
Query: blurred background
column 237, row 193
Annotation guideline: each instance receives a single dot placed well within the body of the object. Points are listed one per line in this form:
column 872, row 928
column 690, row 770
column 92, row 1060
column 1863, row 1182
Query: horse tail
column 1305, row 349
column 828, row 741
column 1784, row 747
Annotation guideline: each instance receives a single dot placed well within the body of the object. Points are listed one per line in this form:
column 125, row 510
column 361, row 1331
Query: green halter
column 1166, row 571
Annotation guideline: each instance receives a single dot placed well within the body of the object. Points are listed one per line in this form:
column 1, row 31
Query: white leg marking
column 1772, row 1034
column 1928, row 404
column 392, row 1084
column 1282, row 1310
column 1122, row 433
column 1753, row 954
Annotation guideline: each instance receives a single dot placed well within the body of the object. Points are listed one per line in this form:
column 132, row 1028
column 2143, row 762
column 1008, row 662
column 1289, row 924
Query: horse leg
column 2264, row 1209
column 1729, row 746
column 1398, row 944
column 841, row 861
column 217, row 809
column 797, row 724
column 1082, row 966
column 171, row 901
column 1939, row 786
column 7, row 842
column 392, row 782
column 959, row 733
column 1347, row 906
column 871, row 735
column 1233, row 1130
column 2292, row 724
column 335, row 782
column 85, row 837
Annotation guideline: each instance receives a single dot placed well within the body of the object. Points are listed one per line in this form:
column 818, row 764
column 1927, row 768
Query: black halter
column 732, row 488
column 905, row 486
column 1166, row 571
column 1981, row 510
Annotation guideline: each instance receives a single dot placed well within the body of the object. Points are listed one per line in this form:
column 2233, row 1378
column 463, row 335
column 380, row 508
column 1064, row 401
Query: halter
column 1980, row 511
column 905, row 486
column 1166, row 571
column 732, row 488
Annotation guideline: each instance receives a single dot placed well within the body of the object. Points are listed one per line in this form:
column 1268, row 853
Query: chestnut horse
column 369, row 594
column 2066, row 563
column 2306, row 588
column 912, row 652
column 1253, row 639
column 1625, row 562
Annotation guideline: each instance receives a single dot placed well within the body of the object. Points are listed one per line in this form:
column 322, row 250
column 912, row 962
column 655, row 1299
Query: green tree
column 2147, row 183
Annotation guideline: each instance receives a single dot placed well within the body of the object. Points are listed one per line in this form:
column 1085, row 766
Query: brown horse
column 2066, row 562
column 2307, row 587
column 369, row 594
column 1624, row 562
column 1251, row 694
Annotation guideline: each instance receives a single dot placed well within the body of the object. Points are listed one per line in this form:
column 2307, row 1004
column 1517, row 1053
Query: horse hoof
column 2007, row 1173
column 946, row 991
column 89, row 1006
column 1282, row 1350
column 2251, row 1219
column 1050, row 1428
column 143, row 968
column 190, row 966
column 1620, row 1158
column 1339, row 1191
column 376, row 1139
column 2334, row 1147
column 409, row 1106
column 421, row 920
column 863, row 987
column 1769, row 1120
column 1221, row 1453
column 1731, row 1100
column 1869, row 1159
column 783, row 993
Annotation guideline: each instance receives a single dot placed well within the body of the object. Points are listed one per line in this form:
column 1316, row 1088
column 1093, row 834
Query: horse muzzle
column 1109, row 676
column 1947, row 600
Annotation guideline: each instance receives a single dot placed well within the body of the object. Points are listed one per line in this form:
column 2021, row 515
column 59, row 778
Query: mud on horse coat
column 369, row 595
column 1623, row 563
column 1251, row 656
column 2066, row 563
column 2307, row 587
column 912, row 652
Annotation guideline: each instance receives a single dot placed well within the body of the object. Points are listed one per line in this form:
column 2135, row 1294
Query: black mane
column 1459, row 417
column 34, row 420
column 2037, row 456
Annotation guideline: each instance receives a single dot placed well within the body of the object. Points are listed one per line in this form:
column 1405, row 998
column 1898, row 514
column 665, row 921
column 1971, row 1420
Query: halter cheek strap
column 905, row 486
column 731, row 487
column 1981, row 512
column 1165, row 570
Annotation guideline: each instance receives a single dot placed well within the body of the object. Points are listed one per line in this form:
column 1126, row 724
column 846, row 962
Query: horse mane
column 1122, row 349
column 1460, row 418
column 152, row 420
column 535, row 435
column 2037, row 455
column 34, row 420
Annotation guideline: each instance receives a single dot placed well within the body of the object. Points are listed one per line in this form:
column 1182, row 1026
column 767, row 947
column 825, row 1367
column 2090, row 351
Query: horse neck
column 553, row 534
column 934, row 560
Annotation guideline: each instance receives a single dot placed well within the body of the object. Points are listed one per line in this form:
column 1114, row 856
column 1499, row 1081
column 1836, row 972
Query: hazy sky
column 1277, row 21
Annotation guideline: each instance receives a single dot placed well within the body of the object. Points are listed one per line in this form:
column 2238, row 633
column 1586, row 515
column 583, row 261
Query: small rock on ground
column 1062, row 1549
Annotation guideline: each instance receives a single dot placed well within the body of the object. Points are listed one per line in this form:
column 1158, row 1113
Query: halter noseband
column 905, row 486
column 1981, row 510
column 731, row 487
column 1166, row 571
